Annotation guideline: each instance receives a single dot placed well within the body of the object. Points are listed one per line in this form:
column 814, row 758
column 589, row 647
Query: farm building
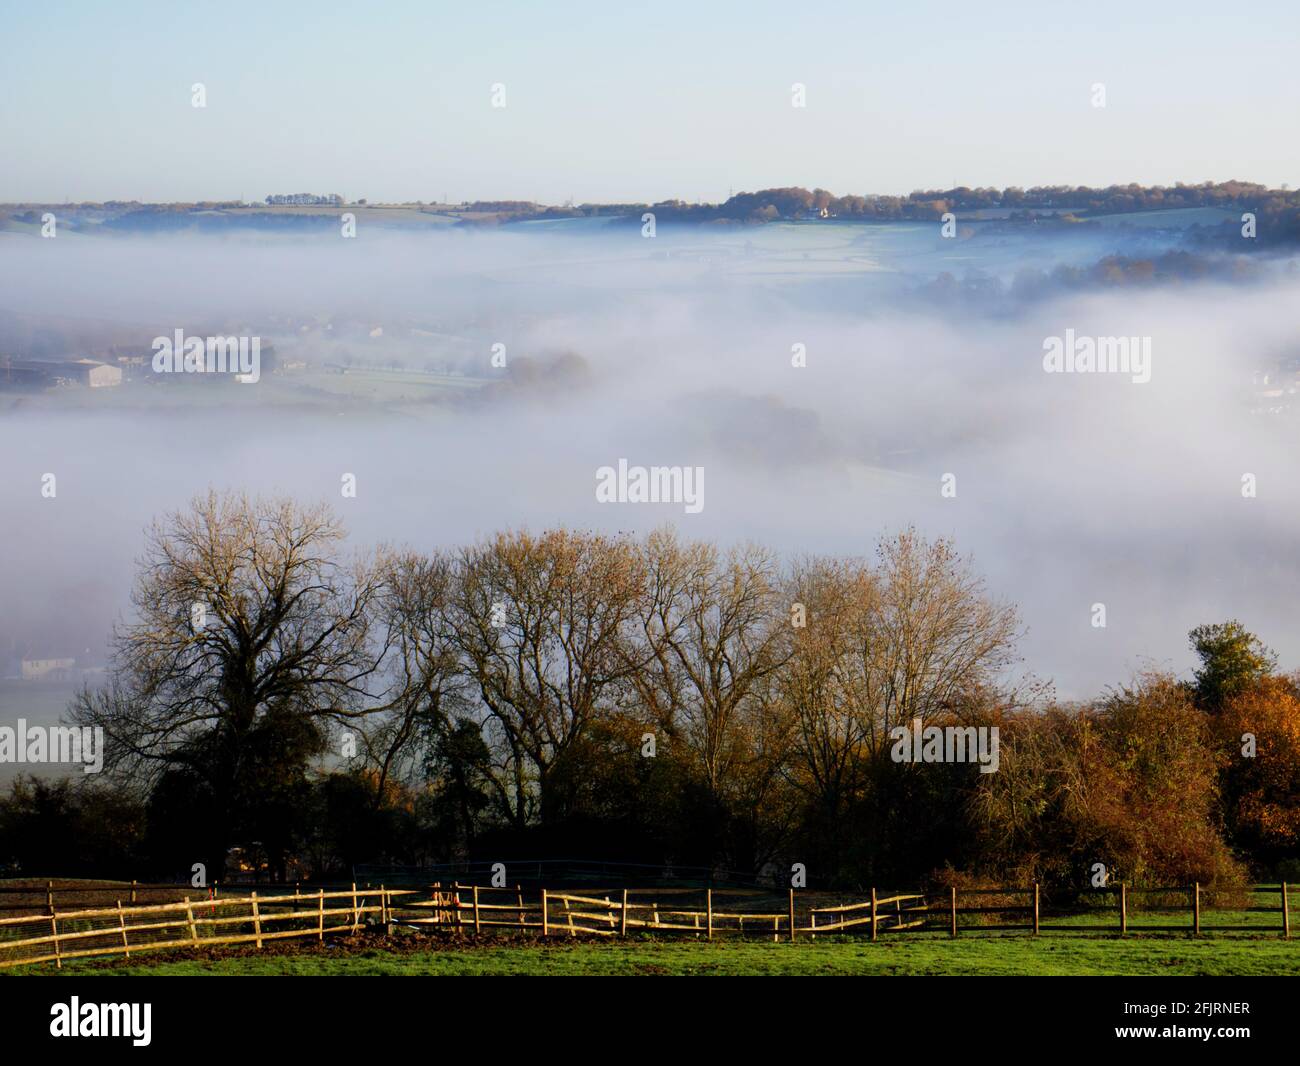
column 92, row 373
column 45, row 372
column 48, row 669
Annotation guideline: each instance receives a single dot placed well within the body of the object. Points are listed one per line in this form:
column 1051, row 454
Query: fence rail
column 41, row 895
column 61, row 935
column 119, row 930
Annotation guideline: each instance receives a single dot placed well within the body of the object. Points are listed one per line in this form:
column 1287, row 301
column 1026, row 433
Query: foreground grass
column 990, row 955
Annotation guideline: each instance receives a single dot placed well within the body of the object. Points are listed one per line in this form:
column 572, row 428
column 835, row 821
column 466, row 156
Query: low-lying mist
column 1071, row 489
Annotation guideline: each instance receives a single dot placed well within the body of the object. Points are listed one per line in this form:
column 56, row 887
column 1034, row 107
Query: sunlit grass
column 926, row 953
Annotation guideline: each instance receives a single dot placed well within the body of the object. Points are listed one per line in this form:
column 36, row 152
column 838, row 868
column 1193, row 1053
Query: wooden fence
column 41, row 896
column 1188, row 903
column 122, row 930
column 617, row 912
column 463, row 909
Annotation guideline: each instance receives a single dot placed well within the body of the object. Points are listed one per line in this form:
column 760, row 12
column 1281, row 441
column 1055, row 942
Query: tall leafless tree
column 245, row 612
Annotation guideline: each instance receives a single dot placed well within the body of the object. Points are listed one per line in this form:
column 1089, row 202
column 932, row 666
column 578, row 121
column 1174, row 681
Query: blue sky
column 610, row 102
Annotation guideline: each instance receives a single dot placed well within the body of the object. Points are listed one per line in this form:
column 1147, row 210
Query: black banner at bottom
column 356, row 1015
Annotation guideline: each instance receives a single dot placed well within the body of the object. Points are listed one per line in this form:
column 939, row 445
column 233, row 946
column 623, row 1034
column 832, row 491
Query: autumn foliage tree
column 656, row 699
column 1258, row 734
column 1128, row 782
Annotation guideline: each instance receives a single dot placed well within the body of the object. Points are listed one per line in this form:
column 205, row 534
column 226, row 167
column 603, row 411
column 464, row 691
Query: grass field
column 990, row 955
column 1240, row 938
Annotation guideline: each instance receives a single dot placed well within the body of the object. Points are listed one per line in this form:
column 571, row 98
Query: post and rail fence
column 131, row 927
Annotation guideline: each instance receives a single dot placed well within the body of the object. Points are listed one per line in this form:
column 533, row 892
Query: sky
column 610, row 102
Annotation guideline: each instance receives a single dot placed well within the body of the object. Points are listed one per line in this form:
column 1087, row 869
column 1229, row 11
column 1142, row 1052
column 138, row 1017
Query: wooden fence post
column 546, row 926
column 257, row 921
column 356, row 915
column 189, row 917
column 519, row 896
column 54, row 932
column 953, row 908
column 1035, row 908
column 121, row 920
column 455, row 902
column 623, row 930
column 320, row 915
column 1286, row 915
column 1123, row 908
column 873, row 913
column 1196, row 908
column 49, row 896
column 708, row 907
column 792, row 915
column 383, row 911
column 133, row 892
column 476, row 923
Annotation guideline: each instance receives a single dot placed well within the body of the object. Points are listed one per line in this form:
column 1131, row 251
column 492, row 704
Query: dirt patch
column 367, row 942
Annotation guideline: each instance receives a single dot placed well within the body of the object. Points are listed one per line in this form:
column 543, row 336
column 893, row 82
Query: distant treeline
column 982, row 292
column 652, row 700
column 795, row 202
column 1277, row 211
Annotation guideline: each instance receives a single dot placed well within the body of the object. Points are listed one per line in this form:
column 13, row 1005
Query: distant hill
column 1277, row 211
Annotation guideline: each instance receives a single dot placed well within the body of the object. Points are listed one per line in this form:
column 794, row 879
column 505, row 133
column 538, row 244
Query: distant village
column 119, row 365
column 305, row 199
column 311, row 344
column 45, row 666
column 50, row 373
column 1275, row 390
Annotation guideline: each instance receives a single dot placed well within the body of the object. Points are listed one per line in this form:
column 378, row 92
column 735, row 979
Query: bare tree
column 713, row 631
column 425, row 686
column 934, row 641
column 819, row 686
column 245, row 615
column 540, row 623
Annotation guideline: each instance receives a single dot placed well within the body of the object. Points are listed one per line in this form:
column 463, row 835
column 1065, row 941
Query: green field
column 1175, row 218
column 990, row 955
column 307, row 391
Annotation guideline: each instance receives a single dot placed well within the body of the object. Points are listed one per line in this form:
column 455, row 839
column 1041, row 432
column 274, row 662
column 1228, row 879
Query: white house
column 48, row 669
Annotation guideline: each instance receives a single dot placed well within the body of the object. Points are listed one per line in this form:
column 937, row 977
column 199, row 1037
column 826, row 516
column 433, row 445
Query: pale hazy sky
column 610, row 101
